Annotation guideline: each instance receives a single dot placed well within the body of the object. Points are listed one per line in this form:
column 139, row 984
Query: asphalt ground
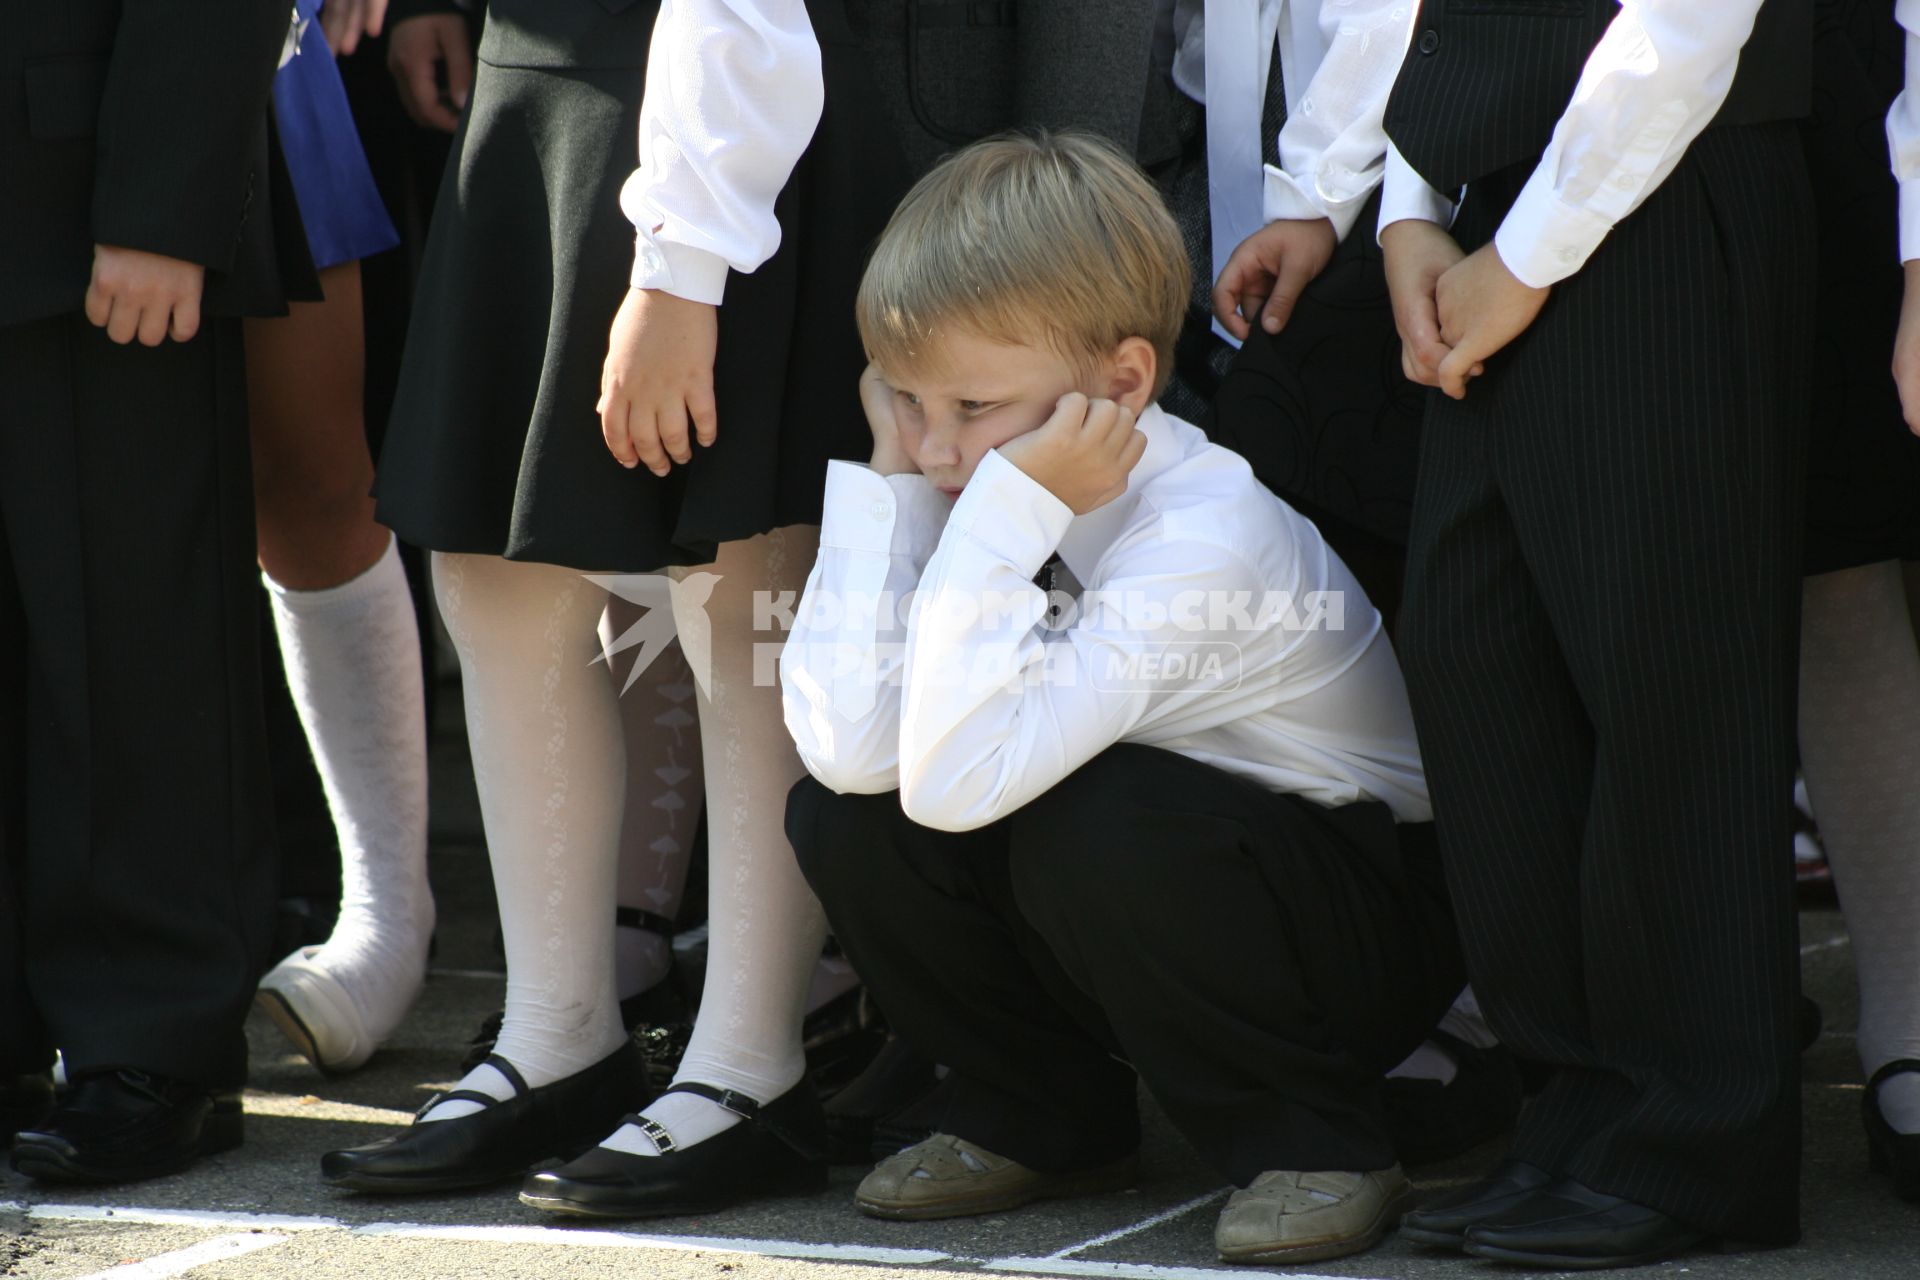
column 260, row 1213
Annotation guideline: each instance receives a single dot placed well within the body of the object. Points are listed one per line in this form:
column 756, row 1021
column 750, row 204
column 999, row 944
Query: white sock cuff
column 376, row 578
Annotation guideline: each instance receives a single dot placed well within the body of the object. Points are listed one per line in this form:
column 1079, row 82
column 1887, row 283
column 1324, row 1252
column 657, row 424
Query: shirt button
column 1569, row 253
column 1626, row 182
column 881, row 511
column 1429, row 41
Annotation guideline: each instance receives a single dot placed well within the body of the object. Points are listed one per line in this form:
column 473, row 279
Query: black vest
column 1485, row 81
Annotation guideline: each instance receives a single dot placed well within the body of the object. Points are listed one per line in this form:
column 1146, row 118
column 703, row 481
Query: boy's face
column 987, row 393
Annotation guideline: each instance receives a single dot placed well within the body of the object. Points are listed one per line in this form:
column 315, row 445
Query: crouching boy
column 1112, row 767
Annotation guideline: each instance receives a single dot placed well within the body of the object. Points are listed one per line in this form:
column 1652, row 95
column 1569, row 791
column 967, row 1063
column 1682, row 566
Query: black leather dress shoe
column 122, row 1126
column 777, row 1149
column 501, row 1141
column 1443, row 1223
column 1571, row 1227
column 1889, row 1151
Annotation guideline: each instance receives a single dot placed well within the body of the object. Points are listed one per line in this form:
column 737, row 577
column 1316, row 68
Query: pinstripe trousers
column 1600, row 634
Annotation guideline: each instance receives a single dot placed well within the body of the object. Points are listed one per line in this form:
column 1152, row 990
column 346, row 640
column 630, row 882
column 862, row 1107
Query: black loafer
column 777, row 1149
column 1443, row 1223
column 125, row 1125
column 1889, row 1151
column 501, row 1141
column 1572, row 1227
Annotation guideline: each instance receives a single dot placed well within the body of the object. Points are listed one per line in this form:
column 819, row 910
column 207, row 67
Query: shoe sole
column 810, row 1184
column 1326, row 1247
column 285, row 1013
column 1119, row 1176
column 1560, row 1262
column 292, row 1026
column 1433, row 1239
column 223, row 1131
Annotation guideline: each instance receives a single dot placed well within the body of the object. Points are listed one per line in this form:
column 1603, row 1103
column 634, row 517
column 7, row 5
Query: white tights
column 551, row 771
column 1860, row 749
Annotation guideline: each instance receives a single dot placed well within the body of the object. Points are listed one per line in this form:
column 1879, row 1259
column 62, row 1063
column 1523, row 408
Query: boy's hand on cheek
column 1082, row 454
column 889, row 455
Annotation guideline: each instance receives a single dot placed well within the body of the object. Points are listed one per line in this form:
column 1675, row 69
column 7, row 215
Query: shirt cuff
column 1285, row 198
column 1011, row 514
column 678, row 269
column 1543, row 239
column 885, row 515
column 1406, row 196
column 1910, row 220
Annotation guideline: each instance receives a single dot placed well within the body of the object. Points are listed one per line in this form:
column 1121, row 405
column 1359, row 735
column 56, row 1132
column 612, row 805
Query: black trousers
column 1600, row 636
column 1261, row 961
column 136, row 881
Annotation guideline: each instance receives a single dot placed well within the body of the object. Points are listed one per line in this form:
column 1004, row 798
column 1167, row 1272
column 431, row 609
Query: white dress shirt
column 733, row 96
column 1338, row 59
column 1903, row 134
column 972, row 713
column 1655, row 81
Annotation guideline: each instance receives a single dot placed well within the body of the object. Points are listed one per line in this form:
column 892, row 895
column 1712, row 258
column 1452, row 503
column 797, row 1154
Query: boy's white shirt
column 1652, row 84
column 875, row 702
column 1903, row 133
column 1338, row 59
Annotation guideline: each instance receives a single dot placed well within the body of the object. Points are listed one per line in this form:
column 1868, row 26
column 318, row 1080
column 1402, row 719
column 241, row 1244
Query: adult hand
column 1417, row 253
column 1266, row 274
column 135, row 294
column 1906, row 349
column 889, row 455
column 344, row 22
column 1483, row 307
column 418, row 48
column 658, row 378
column 1083, row 454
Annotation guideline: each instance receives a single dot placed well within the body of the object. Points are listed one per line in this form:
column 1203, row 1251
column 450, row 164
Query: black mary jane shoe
column 1889, row 1151
column 777, row 1149
column 126, row 1125
column 25, row 1100
column 501, row 1141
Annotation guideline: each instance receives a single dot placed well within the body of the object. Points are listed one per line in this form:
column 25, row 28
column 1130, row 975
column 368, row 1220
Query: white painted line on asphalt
column 633, row 1240
column 1145, row 1224
column 211, row 1219
column 1138, row 1270
column 181, row 1261
column 237, row 1221
column 1830, row 944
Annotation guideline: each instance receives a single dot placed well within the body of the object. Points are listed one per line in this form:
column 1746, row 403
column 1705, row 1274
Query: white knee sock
column 352, row 655
column 1860, row 747
column 766, row 926
column 550, row 771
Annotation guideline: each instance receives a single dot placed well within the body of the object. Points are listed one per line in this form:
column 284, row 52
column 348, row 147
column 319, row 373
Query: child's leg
column 550, row 769
column 766, row 927
column 1860, row 746
column 665, row 790
column 351, row 645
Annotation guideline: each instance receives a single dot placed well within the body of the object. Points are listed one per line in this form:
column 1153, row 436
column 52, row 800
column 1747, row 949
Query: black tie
column 1273, row 112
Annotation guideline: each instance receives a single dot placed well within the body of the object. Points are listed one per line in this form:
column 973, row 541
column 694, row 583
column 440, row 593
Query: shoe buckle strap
column 656, row 1132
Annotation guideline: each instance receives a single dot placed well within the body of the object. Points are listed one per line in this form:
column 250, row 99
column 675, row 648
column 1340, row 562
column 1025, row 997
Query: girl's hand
column 658, row 379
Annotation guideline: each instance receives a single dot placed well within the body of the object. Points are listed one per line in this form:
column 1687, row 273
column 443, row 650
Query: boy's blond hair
column 1030, row 238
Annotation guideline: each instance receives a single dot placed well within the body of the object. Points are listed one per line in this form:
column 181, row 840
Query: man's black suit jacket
column 142, row 124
